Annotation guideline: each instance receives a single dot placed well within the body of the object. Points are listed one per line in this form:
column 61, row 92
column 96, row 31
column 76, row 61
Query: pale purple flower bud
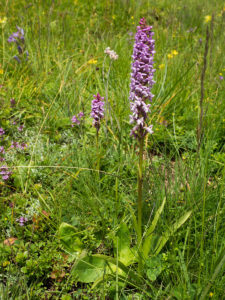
column 16, row 35
column 15, row 145
column 17, row 59
column 23, row 146
column 22, row 220
column 12, row 102
column 142, row 79
column 2, row 131
column 81, row 114
column 20, row 32
column 77, row 119
column 74, row 120
column 4, row 171
column 20, row 50
column 20, row 128
column 2, row 150
column 97, row 110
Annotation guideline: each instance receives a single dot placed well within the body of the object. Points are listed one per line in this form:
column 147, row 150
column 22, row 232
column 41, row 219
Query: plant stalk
column 200, row 125
column 97, row 152
column 139, row 204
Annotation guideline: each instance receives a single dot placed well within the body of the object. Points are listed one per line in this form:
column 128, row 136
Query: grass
column 56, row 179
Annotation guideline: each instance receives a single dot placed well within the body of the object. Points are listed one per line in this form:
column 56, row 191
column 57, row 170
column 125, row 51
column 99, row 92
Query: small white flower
column 112, row 54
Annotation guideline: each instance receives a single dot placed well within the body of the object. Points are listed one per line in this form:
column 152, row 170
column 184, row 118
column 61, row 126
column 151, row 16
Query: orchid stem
column 97, row 153
column 139, row 204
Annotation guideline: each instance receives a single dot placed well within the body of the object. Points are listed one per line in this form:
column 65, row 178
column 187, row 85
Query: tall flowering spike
column 97, row 110
column 142, row 79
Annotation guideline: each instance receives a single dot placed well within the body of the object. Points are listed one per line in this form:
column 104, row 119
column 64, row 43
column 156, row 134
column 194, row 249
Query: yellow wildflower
column 92, row 61
column 208, row 19
column 5, row 263
column 174, row 52
column 170, row 55
column 210, row 294
column 161, row 66
column 132, row 17
column 113, row 16
column 1, row 71
column 220, row 74
column 3, row 20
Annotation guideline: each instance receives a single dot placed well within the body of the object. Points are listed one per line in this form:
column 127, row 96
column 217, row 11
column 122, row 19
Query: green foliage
column 69, row 238
column 154, row 266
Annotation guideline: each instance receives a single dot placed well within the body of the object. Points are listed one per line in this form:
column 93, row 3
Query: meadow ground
column 68, row 226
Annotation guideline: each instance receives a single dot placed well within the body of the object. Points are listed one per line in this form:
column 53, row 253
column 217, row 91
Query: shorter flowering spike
column 97, row 110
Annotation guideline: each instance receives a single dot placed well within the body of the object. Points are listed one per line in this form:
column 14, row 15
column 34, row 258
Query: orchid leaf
column 122, row 243
column 90, row 268
column 69, row 239
column 172, row 229
column 149, row 234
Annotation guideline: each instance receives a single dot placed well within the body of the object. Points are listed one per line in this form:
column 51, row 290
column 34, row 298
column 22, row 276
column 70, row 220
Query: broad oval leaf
column 89, row 269
column 69, row 239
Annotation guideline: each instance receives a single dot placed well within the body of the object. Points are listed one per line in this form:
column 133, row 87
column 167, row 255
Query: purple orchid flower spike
column 97, row 110
column 142, row 79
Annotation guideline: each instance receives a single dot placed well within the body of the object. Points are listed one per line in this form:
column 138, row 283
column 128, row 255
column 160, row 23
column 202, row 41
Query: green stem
column 97, row 153
column 139, row 204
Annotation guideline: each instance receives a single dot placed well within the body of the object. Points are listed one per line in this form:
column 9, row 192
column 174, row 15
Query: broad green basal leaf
column 122, row 242
column 90, row 268
column 69, row 239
